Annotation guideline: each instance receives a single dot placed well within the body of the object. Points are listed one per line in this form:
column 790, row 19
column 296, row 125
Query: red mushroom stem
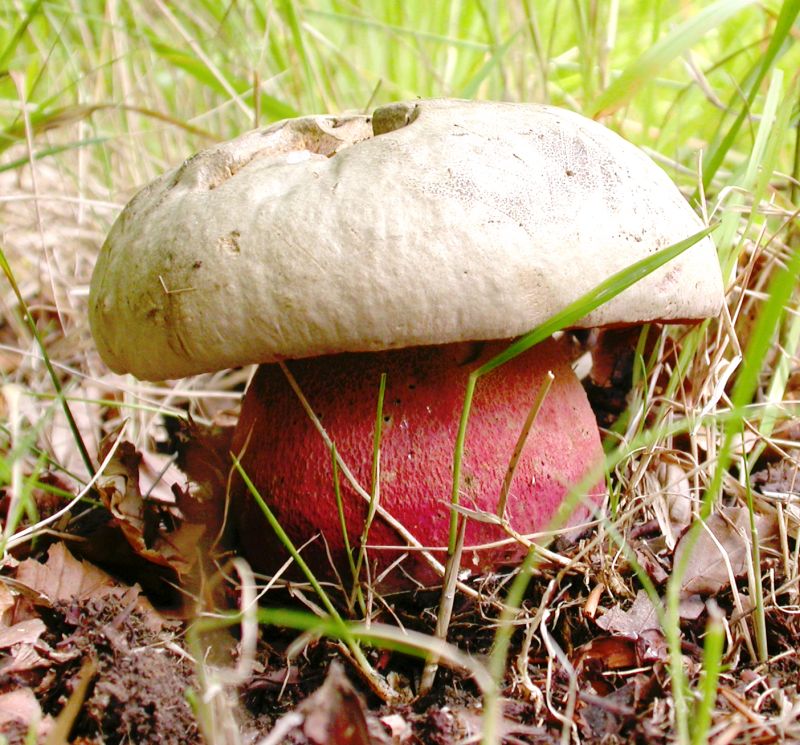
column 290, row 464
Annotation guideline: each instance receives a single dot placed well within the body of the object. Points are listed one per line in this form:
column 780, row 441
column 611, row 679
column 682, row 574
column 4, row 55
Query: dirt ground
column 88, row 656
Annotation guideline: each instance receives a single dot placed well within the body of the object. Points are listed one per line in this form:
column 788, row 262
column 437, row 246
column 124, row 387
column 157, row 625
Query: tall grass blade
column 756, row 584
column 470, row 89
column 300, row 48
column 671, row 47
column 73, row 426
column 48, row 151
column 11, row 45
column 712, row 657
column 759, row 168
column 566, row 317
column 778, row 39
column 375, row 489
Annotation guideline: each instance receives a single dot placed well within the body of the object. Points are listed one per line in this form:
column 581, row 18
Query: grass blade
column 73, row 426
column 470, row 90
column 712, row 657
column 570, row 315
column 669, row 48
column 783, row 29
column 16, row 37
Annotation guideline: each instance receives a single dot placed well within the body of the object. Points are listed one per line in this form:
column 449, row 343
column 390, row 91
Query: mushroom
column 409, row 243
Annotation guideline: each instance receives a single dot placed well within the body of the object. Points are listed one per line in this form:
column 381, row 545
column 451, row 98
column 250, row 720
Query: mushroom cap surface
column 429, row 222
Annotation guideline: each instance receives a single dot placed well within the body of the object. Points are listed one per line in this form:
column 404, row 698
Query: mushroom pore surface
column 290, row 465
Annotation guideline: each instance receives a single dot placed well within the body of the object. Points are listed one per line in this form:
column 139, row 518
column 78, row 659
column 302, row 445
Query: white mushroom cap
column 430, row 222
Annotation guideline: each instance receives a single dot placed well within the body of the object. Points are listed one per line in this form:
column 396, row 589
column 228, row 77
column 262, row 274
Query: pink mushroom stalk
column 423, row 400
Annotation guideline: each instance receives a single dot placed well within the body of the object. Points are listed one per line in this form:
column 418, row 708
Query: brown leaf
column 782, row 477
column 469, row 721
column 8, row 602
column 691, row 607
column 24, row 658
column 637, row 639
column 140, row 519
column 782, row 480
column 178, row 549
column 640, row 617
column 204, row 456
column 651, row 646
column 334, row 714
column 63, row 577
column 649, row 562
column 24, row 632
column 601, row 718
column 724, row 540
column 609, row 652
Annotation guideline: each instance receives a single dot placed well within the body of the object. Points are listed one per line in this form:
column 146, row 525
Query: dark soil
column 138, row 692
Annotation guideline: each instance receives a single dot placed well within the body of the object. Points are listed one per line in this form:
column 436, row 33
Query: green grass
column 99, row 97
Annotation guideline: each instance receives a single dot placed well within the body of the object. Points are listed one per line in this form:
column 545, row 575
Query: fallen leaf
column 782, row 477
column 602, row 717
column 640, row 617
column 780, row 482
column 691, row 607
column 636, row 639
column 24, row 658
column 335, row 714
column 609, row 652
column 141, row 520
column 22, row 648
column 722, row 550
column 7, row 603
column 204, row 456
column 62, row 578
column 469, row 719
column 649, row 561
column 651, row 647
column 24, row 632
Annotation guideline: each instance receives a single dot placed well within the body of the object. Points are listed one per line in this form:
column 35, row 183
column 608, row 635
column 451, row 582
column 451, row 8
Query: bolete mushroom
column 406, row 242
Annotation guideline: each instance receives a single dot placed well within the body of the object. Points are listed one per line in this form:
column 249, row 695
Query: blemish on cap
column 230, row 242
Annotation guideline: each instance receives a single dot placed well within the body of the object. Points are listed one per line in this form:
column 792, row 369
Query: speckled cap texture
column 428, row 222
